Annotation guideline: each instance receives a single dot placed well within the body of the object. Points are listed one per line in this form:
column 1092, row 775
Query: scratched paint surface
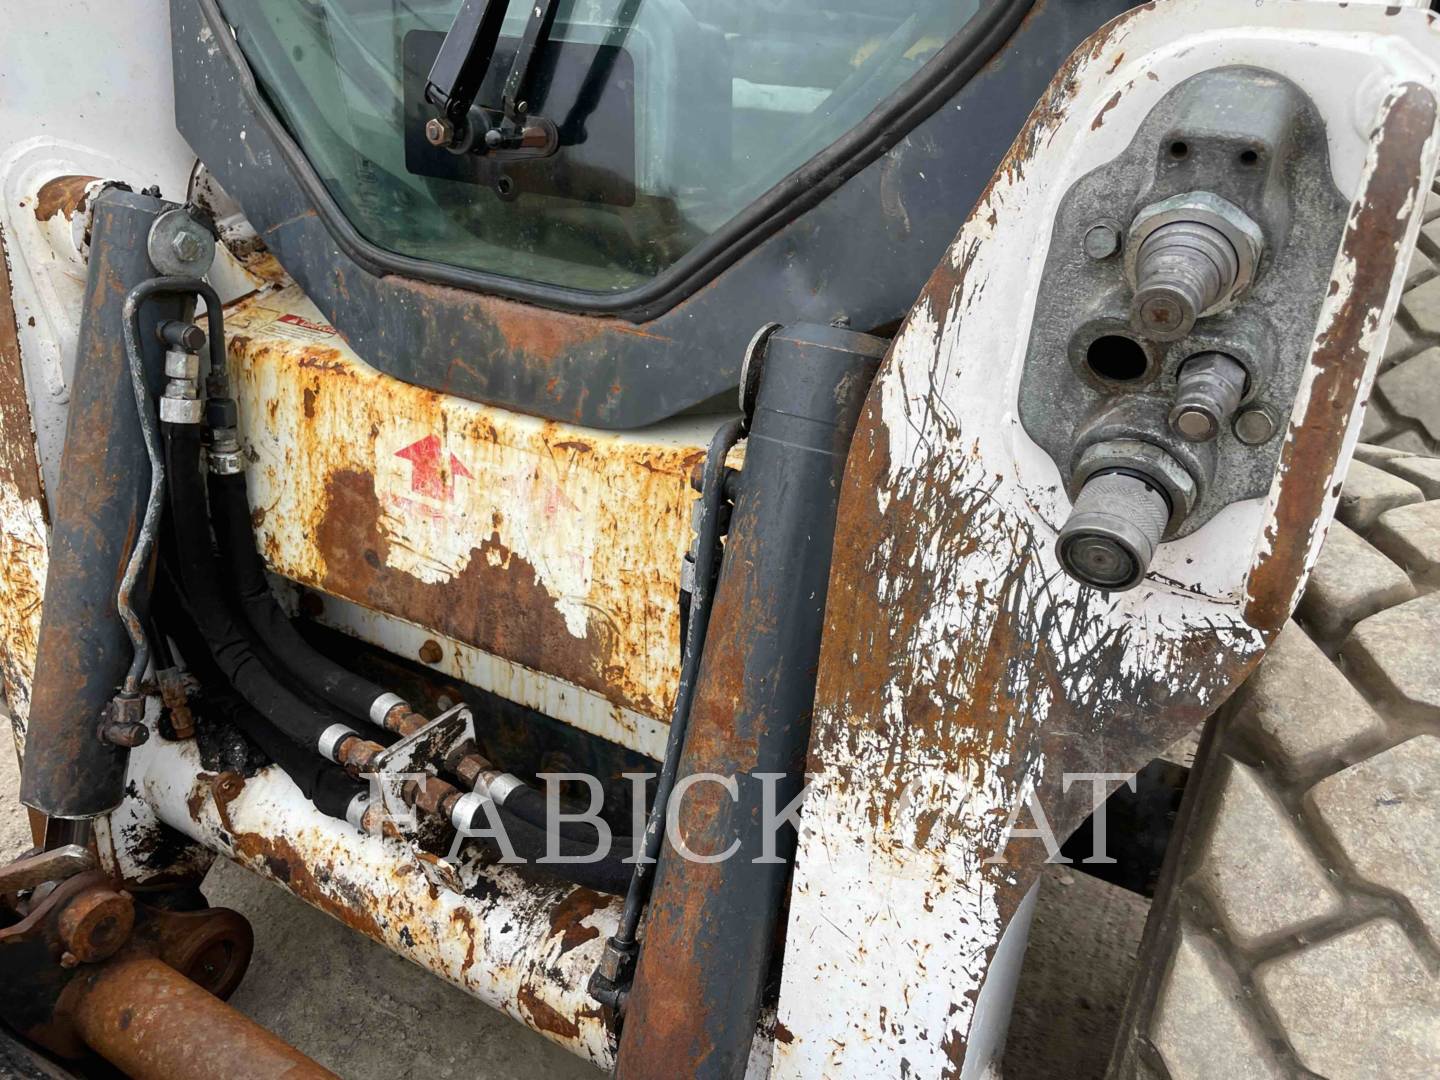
column 552, row 546
column 961, row 671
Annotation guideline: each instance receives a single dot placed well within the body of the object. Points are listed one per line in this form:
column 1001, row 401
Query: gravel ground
column 367, row 1014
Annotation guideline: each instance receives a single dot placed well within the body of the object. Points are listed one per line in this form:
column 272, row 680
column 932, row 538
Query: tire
column 1404, row 409
column 1296, row 930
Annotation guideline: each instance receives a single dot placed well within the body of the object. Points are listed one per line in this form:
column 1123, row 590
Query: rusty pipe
column 152, row 1023
column 710, row 939
column 83, row 651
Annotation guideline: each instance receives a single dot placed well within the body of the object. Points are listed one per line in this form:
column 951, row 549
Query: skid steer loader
column 668, row 513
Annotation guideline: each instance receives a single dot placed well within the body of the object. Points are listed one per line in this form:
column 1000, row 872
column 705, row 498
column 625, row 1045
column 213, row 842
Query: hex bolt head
column 1102, row 240
column 1207, row 393
column 1113, row 531
column 439, row 131
column 1255, row 425
column 187, row 246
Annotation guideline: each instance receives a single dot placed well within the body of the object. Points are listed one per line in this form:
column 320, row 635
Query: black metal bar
column 517, row 83
column 465, row 56
column 709, row 941
column 84, row 651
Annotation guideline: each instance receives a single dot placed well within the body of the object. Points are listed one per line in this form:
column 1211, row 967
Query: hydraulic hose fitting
column 1207, row 393
column 1113, row 531
column 1130, row 494
column 1188, row 256
column 181, row 402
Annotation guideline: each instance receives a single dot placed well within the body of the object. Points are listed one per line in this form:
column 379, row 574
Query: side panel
column 963, row 673
column 554, row 547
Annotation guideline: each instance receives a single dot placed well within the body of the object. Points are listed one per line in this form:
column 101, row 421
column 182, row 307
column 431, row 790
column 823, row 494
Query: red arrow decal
column 431, row 474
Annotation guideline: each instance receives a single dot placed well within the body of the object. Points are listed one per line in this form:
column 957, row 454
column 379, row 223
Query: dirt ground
column 367, row 1014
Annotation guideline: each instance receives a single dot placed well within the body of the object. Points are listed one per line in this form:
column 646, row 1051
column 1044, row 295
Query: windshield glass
column 673, row 116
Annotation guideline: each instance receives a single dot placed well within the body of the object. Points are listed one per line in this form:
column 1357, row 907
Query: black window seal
column 959, row 60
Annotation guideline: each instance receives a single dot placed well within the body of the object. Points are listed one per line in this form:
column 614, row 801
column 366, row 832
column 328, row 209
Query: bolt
column 1255, row 425
column 1113, row 530
column 431, row 652
column 439, row 131
column 1207, row 394
column 187, row 246
column 69, row 960
column 1102, row 240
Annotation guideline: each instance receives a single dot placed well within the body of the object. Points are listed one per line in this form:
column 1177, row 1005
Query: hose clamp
column 175, row 410
column 331, row 738
column 503, row 786
column 225, row 462
column 381, row 706
column 465, row 809
column 355, row 811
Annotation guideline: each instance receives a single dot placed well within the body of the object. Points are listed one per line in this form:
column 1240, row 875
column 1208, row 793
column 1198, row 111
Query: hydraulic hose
column 522, row 801
column 230, row 516
column 329, row 787
column 145, row 408
column 199, row 574
column 609, row 874
column 707, row 551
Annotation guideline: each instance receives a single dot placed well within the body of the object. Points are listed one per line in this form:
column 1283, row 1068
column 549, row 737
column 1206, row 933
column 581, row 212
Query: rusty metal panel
column 24, row 544
column 520, row 942
column 555, row 547
column 962, row 674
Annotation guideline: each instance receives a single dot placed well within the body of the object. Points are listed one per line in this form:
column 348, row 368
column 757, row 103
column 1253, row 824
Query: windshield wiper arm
column 458, row 74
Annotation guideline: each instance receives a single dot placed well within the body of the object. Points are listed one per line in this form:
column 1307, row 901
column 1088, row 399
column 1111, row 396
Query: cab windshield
column 672, row 117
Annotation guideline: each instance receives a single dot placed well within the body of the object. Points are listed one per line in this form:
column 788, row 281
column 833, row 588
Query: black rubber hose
column 324, row 783
column 199, row 574
column 532, row 807
column 708, row 551
column 230, row 516
column 608, row 875
column 329, row 787
column 145, row 408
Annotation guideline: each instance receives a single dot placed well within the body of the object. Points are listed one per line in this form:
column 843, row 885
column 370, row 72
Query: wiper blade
column 458, row 74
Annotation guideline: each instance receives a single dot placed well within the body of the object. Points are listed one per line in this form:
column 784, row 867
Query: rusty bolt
column 427, row 796
column 358, row 754
column 469, row 769
column 439, row 131
column 227, row 785
column 122, row 732
column 69, row 960
column 404, row 720
column 311, row 605
column 96, row 923
column 431, row 652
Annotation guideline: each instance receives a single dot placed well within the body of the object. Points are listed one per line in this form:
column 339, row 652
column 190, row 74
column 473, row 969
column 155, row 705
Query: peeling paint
column 555, row 547
column 962, row 673
column 24, row 540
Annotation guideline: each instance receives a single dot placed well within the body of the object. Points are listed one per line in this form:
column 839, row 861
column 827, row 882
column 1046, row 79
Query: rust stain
column 1099, row 121
column 62, row 195
column 24, row 546
column 553, row 547
column 1311, row 453
column 569, row 915
column 286, row 865
column 496, row 603
column 544, row 1017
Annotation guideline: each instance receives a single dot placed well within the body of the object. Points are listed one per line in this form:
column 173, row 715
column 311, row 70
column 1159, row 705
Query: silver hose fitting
column 1182, row 269
column 1188, row 256
column 1113, row 531
column 1207, row 393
